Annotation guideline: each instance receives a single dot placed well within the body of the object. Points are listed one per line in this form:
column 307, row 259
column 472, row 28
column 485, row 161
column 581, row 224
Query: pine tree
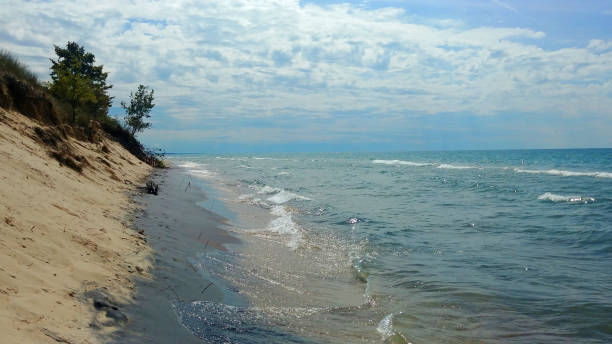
column 72, row 88
column 75, row 65
column 139, row 108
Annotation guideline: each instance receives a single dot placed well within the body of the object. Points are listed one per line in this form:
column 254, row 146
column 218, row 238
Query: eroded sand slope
column 63, row 233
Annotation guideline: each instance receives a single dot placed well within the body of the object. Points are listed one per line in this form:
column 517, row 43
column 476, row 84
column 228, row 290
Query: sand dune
column 62, row 234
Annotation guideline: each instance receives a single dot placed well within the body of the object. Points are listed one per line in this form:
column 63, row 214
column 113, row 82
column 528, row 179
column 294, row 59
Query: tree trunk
column 73, row 103
column 73, row 113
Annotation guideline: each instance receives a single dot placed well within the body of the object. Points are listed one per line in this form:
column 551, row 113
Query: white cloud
column 250, row 58
column 599, row 45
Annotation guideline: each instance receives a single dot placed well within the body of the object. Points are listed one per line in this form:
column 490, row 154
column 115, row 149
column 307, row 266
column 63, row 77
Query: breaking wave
column 278, row 195
column 195, row 169
column 190, row 164
column 567, row 173
column 285, row 196
column 421, row 164
column 561, row 198
column 455, row 167
column 401, row 162
column 200, row 173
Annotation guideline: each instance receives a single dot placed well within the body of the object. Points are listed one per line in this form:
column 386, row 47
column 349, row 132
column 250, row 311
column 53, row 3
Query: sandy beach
column 68, row 254
column 178, row 230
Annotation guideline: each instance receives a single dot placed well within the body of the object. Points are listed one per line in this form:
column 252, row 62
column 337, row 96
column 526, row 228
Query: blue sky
column 287, row 75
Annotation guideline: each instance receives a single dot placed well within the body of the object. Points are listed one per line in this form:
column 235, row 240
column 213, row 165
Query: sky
column 286, row 75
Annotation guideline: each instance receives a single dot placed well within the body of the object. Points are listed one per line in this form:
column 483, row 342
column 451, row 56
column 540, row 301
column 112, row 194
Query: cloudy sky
column 287, row 75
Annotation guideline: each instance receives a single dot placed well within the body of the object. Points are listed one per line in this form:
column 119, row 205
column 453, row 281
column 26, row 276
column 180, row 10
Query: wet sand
column 177, row 229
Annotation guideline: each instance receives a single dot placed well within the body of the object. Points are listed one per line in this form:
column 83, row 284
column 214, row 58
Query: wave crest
column 189, row 164
column 455, row 167
column 562, row 198
column 401, row 162
column 389, row 335
column 567, row 173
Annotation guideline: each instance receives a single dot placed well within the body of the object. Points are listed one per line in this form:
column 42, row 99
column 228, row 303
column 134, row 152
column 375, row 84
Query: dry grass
column 10, row 65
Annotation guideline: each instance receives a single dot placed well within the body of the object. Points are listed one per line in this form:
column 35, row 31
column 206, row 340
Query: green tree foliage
column 75, row 65
column 72, row 88
column 139, row 108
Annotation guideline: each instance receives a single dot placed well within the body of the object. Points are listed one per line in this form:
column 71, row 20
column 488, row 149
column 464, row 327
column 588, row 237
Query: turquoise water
column 420, row 247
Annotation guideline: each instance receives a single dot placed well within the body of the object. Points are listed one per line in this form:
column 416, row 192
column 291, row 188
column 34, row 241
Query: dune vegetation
column 74, row 103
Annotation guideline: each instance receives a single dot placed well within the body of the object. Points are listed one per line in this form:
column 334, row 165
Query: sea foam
column 196, row 169
column 200, row 173
column 566, row 173
column 455, row 167
column 561, row 198
column 189, row 164
column 279, row 196
column 283, row 224
column 285, row 196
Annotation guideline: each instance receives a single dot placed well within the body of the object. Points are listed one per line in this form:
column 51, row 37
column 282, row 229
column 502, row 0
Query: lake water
column 420, row 247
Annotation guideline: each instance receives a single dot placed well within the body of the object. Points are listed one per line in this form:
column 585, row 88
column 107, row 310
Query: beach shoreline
column 177, row 229
column 189, row 225
column 69, row 253
column 261, row 297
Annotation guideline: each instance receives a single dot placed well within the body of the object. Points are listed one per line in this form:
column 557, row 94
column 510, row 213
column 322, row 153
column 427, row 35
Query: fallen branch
column 152, row 187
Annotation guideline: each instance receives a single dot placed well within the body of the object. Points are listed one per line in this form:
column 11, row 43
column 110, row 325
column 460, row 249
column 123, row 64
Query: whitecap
column 401, row 162
column 563, row 173
column 279, row 196
column 285, row 196
column 283, row 224
column 455, row 167
column 196, row 169
column 562, row 198
column 189, row 164
column 265, row 158
column 200, row 173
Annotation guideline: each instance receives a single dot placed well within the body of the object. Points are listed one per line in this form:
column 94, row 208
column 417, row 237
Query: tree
column 73, row 88
column 74, row 62
column 139, row 108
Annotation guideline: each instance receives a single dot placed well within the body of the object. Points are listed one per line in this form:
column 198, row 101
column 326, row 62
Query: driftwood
column 152, row 187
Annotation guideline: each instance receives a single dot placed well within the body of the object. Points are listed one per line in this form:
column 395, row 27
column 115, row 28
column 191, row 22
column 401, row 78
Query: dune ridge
column 65, row 235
